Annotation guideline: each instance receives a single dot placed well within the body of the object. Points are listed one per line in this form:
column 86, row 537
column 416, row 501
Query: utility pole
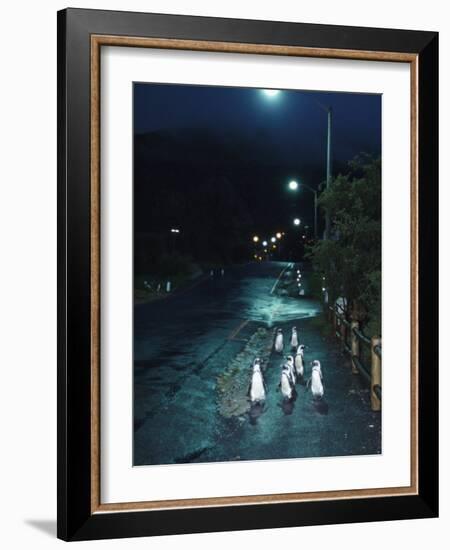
column 327, row 215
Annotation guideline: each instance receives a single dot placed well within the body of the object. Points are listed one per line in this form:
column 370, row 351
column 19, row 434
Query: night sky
column 191, row 139
column 292, row 122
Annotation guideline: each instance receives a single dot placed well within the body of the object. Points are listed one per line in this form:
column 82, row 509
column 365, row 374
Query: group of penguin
column 292, row 371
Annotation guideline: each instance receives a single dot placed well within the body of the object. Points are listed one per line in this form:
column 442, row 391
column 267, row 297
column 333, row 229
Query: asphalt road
column 182, row 344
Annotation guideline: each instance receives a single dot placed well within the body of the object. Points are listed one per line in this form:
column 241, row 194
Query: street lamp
column 278, row 235
column 329, row 111
column 296, row 221
column 271, row 93
column 273, row 240
column 255, row 239
column 264, row 243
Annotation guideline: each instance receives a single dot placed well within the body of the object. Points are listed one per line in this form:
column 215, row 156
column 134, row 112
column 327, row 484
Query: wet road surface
column 184, row 342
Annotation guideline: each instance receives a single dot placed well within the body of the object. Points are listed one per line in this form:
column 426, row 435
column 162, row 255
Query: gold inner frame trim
column 97, row 41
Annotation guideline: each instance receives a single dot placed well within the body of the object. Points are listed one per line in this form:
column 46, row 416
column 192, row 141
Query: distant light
column 265, row 251
column 273, row 239
column 293, row 185
column 255, row 239
column 274, row 246
column 324, row 289
column 271, row 93
column 278, row 235
column 264, row 243
column 173, row 230
column 296, row 221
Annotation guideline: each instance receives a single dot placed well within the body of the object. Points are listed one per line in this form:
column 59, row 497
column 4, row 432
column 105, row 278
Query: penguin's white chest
column 257, row 392
column 292, row 373
column 279, row 343
column 316, row 384
column 294, row 340
column 299, row 367
column 286, row 388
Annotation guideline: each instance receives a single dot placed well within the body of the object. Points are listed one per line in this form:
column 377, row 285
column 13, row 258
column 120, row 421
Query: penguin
column 286, row 386
column 317, row 389
column 290, row 364
column 294, row 338
column 257, row 388
column 299, row 362
column 279, row 341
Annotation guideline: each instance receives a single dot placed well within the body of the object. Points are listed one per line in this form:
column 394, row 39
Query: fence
column 362, row 350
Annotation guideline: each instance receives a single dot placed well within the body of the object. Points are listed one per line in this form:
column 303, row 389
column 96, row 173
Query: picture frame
column 81, row 36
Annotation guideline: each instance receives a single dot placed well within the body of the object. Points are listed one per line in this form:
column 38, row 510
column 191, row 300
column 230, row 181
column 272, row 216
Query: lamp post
column 329, row 112
column 314, row 192
column 327, row 214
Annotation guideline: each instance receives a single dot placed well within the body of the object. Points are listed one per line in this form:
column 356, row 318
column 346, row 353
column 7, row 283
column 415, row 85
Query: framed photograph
column 247, row 274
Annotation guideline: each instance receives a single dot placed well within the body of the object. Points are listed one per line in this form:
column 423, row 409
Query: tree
column 350, row 260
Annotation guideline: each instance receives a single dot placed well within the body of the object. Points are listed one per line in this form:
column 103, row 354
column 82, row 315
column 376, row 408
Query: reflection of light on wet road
column 269, row 308
column 281, row 310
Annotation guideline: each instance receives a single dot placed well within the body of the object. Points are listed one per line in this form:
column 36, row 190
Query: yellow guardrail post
column 355, row 345
column 375, row 372
column 343, row 331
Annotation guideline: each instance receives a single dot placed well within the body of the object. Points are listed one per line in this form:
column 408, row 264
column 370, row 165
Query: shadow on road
column 320, row 406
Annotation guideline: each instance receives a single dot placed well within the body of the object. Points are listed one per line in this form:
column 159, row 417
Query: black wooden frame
column 75, row 521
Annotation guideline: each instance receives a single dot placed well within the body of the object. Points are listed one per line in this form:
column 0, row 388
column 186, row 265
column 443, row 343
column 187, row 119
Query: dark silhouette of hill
column 217, row 189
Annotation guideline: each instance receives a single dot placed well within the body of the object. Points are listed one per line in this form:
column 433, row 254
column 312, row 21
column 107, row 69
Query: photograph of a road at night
column 257, row 274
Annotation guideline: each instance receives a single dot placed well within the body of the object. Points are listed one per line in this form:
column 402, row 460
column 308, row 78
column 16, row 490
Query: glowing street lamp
column 271, row 93
column 273, row 240
column 293, row 185
column 297, row 221
column 278, row 235
column 264, row 243
column 255, row 239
